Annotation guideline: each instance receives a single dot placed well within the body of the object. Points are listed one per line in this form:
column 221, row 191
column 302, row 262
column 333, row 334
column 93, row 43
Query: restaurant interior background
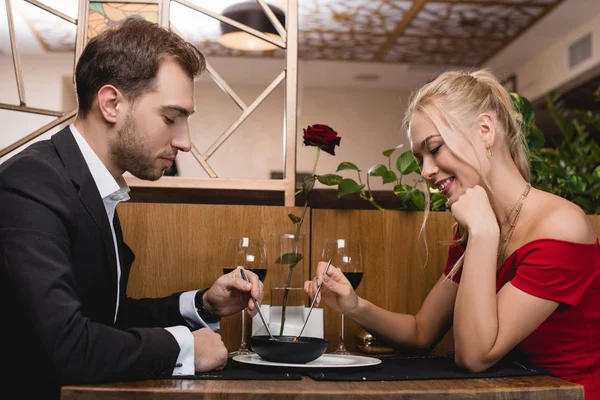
column 358, row 83
column 358, row 62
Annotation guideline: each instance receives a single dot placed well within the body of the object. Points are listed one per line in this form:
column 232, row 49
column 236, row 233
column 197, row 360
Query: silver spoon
column 257, row 305
column 313, row 302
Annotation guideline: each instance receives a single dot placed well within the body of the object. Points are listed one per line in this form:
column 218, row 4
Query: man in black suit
column 63, row 263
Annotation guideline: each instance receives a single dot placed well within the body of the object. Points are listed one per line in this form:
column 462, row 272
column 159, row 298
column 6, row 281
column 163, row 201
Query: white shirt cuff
column 187, row 308
column 185, row 360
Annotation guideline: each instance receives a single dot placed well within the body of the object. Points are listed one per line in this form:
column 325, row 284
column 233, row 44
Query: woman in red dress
column 524, row 272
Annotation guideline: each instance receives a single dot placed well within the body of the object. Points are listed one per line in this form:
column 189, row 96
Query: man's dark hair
column 129, row 57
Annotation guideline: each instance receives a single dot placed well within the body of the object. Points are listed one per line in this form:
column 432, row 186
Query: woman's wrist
column 357, row 311
column 484, row 232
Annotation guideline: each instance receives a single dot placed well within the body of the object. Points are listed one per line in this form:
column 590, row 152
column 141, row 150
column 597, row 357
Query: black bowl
column 285, row 350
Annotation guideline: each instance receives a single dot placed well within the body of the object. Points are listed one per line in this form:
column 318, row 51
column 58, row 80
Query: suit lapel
column 126, row 256
column 81, row 176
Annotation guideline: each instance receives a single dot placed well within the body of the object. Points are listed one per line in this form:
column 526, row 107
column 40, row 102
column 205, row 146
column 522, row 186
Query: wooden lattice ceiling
column 444, row 32
column 448, row 32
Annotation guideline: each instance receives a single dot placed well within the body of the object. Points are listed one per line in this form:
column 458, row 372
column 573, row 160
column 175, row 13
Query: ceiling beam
column 400, row 28
column 491, row 3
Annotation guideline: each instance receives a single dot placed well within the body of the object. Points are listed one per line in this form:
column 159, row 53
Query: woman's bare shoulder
column 558, row 218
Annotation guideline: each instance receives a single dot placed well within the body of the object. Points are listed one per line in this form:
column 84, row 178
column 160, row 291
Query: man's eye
column 169, row 121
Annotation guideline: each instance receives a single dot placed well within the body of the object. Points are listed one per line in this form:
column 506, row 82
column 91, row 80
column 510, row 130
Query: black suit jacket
column 58, row 280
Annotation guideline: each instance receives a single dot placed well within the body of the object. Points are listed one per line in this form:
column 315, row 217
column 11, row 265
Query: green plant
column 409, row 197
column 323, row 138
column 570, row 168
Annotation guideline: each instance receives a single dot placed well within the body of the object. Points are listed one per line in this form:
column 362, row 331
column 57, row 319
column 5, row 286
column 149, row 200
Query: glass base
column 342, row 352
column 341, row 349
column 240, row 353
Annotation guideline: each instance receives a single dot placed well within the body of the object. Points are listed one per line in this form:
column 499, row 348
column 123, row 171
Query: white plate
column 325, row 361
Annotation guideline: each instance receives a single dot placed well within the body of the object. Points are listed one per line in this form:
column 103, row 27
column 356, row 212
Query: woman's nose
column 429, row 169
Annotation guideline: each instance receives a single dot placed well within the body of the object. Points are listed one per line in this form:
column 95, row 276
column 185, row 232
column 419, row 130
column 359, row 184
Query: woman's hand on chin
column 473, row 210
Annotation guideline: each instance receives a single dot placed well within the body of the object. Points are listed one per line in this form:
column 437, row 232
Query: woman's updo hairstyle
column 453, row 102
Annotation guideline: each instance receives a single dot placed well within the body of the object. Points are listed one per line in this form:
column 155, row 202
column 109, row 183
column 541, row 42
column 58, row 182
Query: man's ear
column 486, row 128
column 109, row 99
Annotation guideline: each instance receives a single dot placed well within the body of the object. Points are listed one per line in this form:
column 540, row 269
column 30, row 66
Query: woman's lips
column 446, row 188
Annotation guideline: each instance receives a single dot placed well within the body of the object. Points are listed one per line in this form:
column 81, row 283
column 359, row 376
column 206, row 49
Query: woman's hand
column 336, row 292
column 473, row 211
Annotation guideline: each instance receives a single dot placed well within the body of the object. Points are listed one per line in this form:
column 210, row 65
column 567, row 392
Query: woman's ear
column 109, row 98
column 486, row 128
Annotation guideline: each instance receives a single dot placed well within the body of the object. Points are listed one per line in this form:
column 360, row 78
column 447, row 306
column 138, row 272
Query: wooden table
column 518, row 388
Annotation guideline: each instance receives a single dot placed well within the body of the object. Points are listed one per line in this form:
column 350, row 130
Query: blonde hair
column 455, row 100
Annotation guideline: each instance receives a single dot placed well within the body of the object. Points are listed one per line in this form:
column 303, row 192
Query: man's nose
column 182, row 140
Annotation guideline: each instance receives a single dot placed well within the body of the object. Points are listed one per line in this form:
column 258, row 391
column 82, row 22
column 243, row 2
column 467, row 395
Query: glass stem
column 342, row 345
column 243, row 345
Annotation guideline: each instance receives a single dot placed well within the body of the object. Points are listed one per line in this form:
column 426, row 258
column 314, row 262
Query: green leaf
column 401, row 189
column 295, row 219
column 526, row 110
column 348, row 186
column 387, row 153
column 594, row 190
column 289, row 258
column 437, row 202
column 389, row 176
column 410, row 198
column 330, row 179
column 417, row 200
column 347, row 165
column 377, row 170
column 406, row 163
column 308, row 184
column 536, row 138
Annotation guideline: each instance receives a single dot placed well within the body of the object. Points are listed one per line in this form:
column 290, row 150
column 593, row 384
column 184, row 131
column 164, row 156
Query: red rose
column 323, row 137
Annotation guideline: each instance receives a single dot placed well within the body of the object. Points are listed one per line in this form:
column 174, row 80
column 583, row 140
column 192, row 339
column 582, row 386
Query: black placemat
column 423, row 367
column 239, row 371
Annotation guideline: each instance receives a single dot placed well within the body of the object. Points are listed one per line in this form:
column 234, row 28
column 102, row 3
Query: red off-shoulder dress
column 566, row 344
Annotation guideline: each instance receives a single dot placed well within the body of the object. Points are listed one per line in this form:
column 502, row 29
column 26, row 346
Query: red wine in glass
column 354, row 278
column 346, row 254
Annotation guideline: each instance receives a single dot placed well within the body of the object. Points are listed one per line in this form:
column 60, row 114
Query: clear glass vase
column 290, row 257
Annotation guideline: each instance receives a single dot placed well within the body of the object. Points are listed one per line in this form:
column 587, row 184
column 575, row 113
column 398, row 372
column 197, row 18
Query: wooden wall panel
column 395, row 277
column 395, row 274
column 595, row 220
column 182, row 247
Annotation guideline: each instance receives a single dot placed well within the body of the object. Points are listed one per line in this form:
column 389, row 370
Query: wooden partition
column 183, row 246
column 398, row 270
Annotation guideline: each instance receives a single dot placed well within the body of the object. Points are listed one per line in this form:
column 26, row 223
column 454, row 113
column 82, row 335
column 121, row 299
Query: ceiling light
column 249, row 13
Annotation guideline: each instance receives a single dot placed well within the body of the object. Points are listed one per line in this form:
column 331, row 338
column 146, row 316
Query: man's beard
column 131, row 154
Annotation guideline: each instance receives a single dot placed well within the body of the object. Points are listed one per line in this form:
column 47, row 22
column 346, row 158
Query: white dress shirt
column 113, row 192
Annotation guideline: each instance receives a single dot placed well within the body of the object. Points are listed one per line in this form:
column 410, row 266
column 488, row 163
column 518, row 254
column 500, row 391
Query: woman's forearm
column 420, row 331
column 476, row 309
column 393, row 328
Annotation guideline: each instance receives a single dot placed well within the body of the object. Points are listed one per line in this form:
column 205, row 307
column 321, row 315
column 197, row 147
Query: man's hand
column 209, row 350
column 230, row 294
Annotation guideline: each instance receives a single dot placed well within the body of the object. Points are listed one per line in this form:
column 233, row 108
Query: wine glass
column 250, row 253
column 346, row 254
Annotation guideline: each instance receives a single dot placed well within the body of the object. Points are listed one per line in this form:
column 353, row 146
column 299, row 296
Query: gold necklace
column 504, row 240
